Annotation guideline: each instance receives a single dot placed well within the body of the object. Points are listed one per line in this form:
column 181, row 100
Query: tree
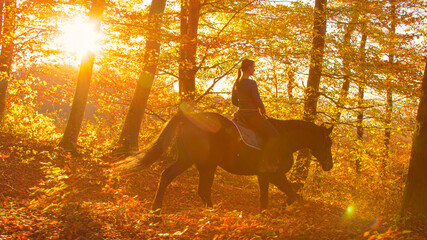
column 6, row 55
column 1, row 18
column 129, row 135
column 346, row 58
column 314, row 75
column 390, row 56
column 415, row 195
column 389, row 97
column 72, row 130
column 291, row 84
column 316, row 60
column 190, row 14
column 361, row 92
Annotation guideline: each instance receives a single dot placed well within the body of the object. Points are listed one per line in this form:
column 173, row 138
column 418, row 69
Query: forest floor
column 48, row 194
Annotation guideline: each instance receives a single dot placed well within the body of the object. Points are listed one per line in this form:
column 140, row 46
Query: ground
column 49, row 194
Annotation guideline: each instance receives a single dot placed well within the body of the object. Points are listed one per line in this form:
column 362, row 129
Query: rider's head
column 248, row 66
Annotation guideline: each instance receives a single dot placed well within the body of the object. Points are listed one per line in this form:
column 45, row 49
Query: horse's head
column 322, row 149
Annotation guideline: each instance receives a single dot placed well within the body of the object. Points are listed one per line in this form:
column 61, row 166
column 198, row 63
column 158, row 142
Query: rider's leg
column 271, row 136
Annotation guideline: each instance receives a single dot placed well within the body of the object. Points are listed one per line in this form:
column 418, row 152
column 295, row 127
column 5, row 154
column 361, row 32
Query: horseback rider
column 245, row 96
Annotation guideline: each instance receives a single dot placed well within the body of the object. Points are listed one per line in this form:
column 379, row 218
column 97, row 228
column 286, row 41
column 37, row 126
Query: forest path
column 46, row 194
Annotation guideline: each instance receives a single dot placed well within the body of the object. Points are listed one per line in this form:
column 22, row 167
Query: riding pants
column 268, row 132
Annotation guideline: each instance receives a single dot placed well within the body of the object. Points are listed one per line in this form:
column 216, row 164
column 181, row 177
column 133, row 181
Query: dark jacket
column 246, row 96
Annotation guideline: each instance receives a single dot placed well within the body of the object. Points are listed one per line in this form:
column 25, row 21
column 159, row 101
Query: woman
column 245, row 95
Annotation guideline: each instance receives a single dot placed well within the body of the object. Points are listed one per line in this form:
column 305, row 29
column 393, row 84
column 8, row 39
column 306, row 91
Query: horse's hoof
column 292, row 199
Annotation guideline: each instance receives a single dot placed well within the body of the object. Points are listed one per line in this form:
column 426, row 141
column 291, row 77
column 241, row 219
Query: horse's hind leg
column 285, row 186
column 263, row 191
column 168, row 175
column 206, row 177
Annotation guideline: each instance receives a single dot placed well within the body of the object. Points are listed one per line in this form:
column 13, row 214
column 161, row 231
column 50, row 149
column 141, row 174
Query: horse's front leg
column 281, row 182
column 263, row 183
column 206, row 177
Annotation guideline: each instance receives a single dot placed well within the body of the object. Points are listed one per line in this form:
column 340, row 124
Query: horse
column 209, row 140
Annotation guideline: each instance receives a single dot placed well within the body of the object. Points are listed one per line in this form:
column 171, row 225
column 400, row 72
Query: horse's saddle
column 247, row 135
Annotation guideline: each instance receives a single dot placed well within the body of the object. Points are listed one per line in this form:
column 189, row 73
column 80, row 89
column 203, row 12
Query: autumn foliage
column 372, row 67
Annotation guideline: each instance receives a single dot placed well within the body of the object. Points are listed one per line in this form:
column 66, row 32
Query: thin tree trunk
column 6, row 56
column 316, row 60
column 1, row 19
column 314, row 75
column 129, row 135
column 183, row 44
column 291, row 84
column 389, row 100
column 346, row 56
column 361, row 94
column 189, row 50
column 72, row 130
column 387, row 123
column 415, row 195
column 276, row 91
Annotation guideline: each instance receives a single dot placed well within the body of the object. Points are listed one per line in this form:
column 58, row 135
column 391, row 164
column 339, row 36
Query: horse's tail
column 155, row 151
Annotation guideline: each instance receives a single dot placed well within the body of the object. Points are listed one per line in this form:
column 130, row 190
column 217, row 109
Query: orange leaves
column 4, row 155
column 392, row 232
column 220, row 225
column 53, row 224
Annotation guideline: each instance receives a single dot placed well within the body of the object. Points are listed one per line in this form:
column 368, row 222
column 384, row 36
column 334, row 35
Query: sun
column 78, row 37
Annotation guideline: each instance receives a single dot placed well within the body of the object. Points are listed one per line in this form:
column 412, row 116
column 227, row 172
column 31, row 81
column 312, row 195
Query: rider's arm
column 234, row 99
column 256, row 97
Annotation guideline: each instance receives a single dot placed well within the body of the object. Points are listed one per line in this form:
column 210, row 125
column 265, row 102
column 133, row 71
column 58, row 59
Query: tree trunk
column 316, row 60
column 361, row 94
column 1, row 19
column 291, row 84
column 312, row 91
column 346, row 57
column 6, row 56
column 69, row 139
column 415, row 195
column 129, row 135
column 387, row 123
column 389, row 101
column 188, row 68
column 183, row 44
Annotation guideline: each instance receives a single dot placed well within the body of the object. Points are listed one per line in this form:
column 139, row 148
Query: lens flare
column 209, row 123
column 78, row 37
column 349, row 213
column 375, row 223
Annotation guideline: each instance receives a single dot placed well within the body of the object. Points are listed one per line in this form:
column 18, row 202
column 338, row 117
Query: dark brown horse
column 209, row 140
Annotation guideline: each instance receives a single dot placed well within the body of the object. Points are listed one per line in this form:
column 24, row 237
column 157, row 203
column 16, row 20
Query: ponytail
column 239, row 75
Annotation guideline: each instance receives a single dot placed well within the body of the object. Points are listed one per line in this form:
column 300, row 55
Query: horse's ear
column 329, row 129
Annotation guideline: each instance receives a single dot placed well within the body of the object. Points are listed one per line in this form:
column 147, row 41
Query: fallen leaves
column 101, row 207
